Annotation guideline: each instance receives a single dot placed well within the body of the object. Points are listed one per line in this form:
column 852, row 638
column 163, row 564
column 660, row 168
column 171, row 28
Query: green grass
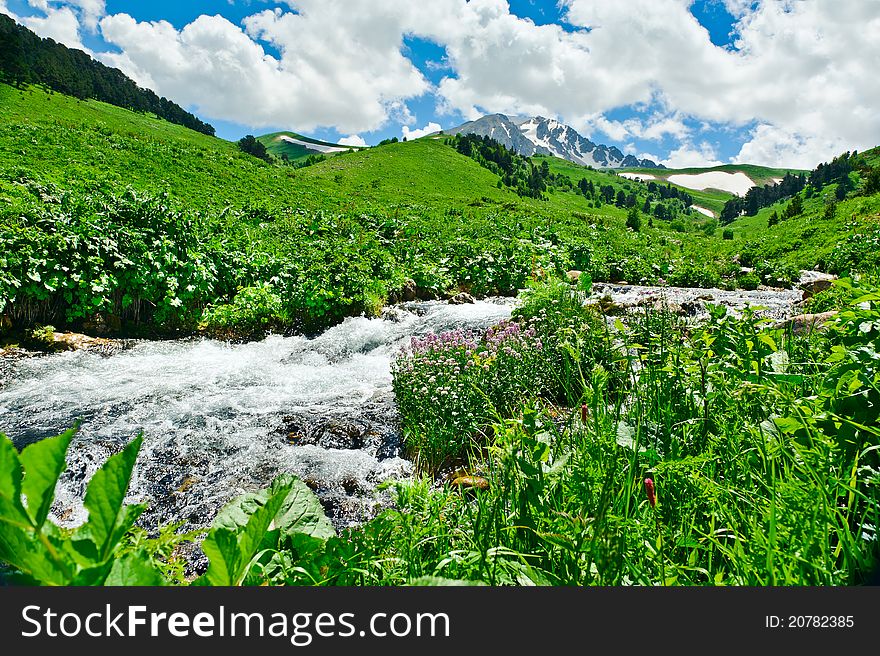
column 714, row 199
column 755, row 484
column 96, row 146
column 93, row 146
column 872, row 156
column 811, row 239
column 341, row 237
column 279, row 147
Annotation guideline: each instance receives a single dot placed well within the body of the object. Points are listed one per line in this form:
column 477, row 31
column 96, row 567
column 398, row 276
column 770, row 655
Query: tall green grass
column 762, row 446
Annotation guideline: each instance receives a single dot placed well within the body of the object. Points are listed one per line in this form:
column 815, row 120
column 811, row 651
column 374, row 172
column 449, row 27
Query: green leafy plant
column 257, row 534
column 39, row 550
column 253, row 312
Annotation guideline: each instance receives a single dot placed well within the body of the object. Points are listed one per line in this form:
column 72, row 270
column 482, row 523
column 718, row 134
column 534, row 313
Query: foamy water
column 220, row 419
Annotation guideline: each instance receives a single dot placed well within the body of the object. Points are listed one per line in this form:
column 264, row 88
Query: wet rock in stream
column 693, row 302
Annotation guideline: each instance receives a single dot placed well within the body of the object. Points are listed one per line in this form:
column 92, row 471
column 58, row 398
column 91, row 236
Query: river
column 220, row 419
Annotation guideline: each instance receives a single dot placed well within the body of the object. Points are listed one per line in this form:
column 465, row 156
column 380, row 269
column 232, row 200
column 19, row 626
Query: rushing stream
column 220, row 419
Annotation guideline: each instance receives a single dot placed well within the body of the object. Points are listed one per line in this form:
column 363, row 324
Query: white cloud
column 663, row 126
column 61, row 25
column 688, row 155
column 801, row 67
column 801, row 70
column 339, row 66
column 353, row 140
column 91, row 10
column 656, row 128
column 409, row 135
column 769, row 145
column 61, row 21
column 616, row 130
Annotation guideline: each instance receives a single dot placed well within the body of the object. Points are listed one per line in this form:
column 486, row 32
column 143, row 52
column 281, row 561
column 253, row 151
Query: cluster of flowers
column 508, row 335
column 433, row 342
column 464, row 348
column 437, row 368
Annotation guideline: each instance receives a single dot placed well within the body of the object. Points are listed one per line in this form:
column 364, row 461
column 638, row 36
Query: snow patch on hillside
column 703, row 210
column 637, row 176
column 312, row 146
column 736, row 183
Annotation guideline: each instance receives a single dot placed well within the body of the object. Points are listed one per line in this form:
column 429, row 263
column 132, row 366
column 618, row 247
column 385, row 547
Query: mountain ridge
column 538, row 135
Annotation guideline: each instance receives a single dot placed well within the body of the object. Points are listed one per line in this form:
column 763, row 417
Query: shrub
column 634, row 219
column 43, row 337
column 748, row 281
column 574, row 334
column 688, row 273
column 253, row 312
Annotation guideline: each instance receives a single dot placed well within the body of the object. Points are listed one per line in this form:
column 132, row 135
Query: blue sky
column 683, row 82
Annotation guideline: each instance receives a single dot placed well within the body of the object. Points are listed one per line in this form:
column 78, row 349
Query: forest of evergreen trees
column 837, row 171
column 25, row 58
column 758, row 197
column 516, row 171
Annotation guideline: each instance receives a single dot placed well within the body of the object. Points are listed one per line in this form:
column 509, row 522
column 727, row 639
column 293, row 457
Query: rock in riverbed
column 813, row 282
column 462, row 299
column 78, row 342
column 806, row 323
column 471, row 482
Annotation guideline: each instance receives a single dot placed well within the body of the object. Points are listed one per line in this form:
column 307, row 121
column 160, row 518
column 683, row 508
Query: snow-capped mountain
column 547, row 136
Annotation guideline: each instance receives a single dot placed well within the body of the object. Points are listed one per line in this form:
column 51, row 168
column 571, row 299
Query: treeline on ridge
column 25, row 58
column 530, row 179
column 835, row 172
column 516, row 171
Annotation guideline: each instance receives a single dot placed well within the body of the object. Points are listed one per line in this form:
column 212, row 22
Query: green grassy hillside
column 714, row 199
column 833, row 236
column 105, row 211
column 277, row 145
column 93, row 146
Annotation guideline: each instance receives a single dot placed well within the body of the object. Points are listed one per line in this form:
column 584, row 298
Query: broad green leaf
column 11, row 509
column 625, row 435
column 39, row 556
column 302, row 512
column 237, row 533
column 795, row 379
column 134, row 569
column 787, row 425
column 108, row 520
column 43, row 462
column 92, row 576
column 767, row 340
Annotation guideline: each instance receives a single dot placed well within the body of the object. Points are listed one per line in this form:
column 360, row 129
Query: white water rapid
column 220, row 419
